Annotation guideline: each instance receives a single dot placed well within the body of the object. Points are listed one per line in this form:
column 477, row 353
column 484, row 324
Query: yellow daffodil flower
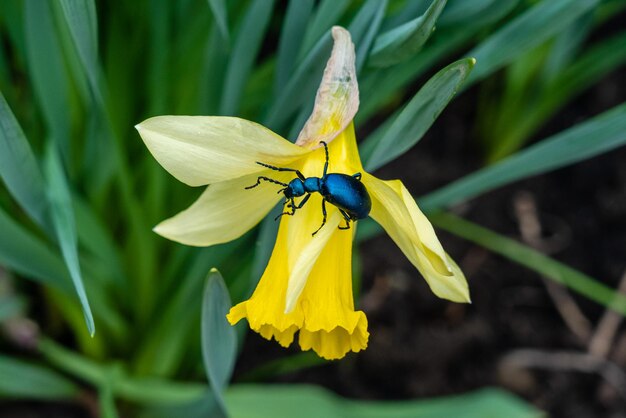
column 307, row 285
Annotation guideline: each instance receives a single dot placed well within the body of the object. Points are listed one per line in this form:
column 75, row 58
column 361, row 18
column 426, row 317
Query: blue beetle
column 346, row 192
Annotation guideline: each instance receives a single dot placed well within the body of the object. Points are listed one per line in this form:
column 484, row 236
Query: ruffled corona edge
column 330, row 343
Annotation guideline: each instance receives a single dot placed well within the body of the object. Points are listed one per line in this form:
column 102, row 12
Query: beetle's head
column 295, row 188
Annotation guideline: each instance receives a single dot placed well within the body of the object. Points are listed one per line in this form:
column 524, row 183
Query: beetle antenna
column 258, row 181
column 326, row 151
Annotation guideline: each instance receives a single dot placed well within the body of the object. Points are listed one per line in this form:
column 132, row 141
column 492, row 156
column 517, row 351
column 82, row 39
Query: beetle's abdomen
column 347, row 193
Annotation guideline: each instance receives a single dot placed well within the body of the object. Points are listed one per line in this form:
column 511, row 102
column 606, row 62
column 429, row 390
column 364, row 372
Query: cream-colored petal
column 337, row 99
column 225, row 211
column 396, row 211
column 200, row 150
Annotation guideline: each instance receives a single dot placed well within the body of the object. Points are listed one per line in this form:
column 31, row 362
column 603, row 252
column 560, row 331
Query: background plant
column 80, row 193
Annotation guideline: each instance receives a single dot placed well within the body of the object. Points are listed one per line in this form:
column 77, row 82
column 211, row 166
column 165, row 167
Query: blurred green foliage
column 80, row 193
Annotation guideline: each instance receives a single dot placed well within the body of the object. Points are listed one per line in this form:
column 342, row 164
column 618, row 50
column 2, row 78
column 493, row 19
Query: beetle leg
column 323, row 219
column 271, row 167
column 347, row 218
column 292, row 206
column 357, row 176
column 258, row 181
column 303, row 201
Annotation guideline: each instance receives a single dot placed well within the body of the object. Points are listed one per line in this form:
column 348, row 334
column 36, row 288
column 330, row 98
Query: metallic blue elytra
column 345, row 192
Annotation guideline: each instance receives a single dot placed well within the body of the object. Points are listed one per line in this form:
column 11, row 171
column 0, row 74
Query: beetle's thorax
column 312, row 184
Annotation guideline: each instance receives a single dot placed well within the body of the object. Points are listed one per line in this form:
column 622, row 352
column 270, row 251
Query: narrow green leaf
column 412, row 122
column 379, row 88
column 247, row 44
column 534, row 260
column 19, row 168
column 535, row 26
column 364, row 28
column 303, row 401
column 219, row 342
column 326, row 15
column 595, row 136
column 291, row 37
column 10, row 306
column 220, row 13
column 80, row 18
column 25, row 254
column 405, row 41
column 27, row 381
column 47, row 70
column 301, row 86
column 474, row 13
column 64, row 224
column 141, row 390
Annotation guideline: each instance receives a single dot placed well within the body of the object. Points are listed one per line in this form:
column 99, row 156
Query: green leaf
column 364, row 28
column 326, row 15
column 382, row 87
column 19, row 168
column 220, row 13
column 24, row 253
column 405, row 41
column 47, row 70
column 595, row 136
column 248, row 39
column 219, row 342
column 533, row 27
column 141, row 390
column 10, row 306
column 534, row 260
column 81, row 21
column 301, row 86
column 411, row 123
column 278, row 401
column 474, row 13
column 64, row 224
column 291, row 37
column 28, row 381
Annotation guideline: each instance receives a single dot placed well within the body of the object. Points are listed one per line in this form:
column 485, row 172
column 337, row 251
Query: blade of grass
column 301, row 86
column 23, row 380
column 595, row 136
column 305, row 401
column 364, row 28
column 544, row 20
column 534, row 260
column 403, row 42
column 220, row 13
column 248, row 37
column 10, row 306
column 219, row 342
column 80, row 17
column 26, row 254
column 379, row 88
column 326, row 15
column 412, row 122
column 140, row 390
column 48, row 72
column 19, row 168
column 64, row 224
column 291, row 37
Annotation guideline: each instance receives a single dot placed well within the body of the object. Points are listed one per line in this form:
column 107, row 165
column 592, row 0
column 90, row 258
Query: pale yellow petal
column 200, row 150
column 396, row 211
column 225, row 211
column 337, row 99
